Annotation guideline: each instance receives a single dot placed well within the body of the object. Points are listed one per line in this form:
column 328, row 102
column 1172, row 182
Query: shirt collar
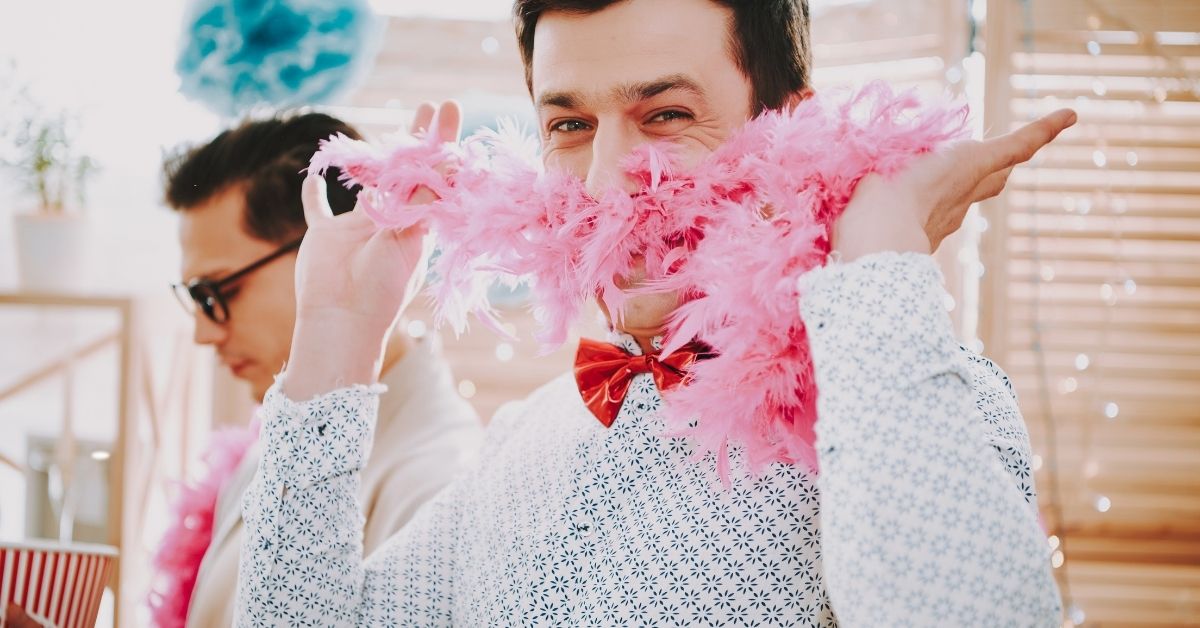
column 411, row 375
column 629, row 343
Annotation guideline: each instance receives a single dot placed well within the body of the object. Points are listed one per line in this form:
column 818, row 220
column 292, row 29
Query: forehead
column 631, row 41
column 212, row 238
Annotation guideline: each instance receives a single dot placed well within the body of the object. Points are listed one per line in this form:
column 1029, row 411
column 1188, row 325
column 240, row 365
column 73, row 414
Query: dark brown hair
column 267, row 158
column 769, row 40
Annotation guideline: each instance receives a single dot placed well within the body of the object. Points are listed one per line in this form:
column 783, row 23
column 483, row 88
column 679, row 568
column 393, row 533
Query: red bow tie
column 604, row 372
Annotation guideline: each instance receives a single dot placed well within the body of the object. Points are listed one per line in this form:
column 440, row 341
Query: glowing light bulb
column 1082, row 362
column 1107, row 294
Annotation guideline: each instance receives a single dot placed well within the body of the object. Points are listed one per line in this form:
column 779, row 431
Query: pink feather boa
column 732, row 235
column 177, row 560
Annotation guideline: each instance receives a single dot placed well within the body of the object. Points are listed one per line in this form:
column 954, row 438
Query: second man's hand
column 353, row 281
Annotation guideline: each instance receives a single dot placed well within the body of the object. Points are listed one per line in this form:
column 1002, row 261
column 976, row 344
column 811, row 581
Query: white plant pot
column 51, row 251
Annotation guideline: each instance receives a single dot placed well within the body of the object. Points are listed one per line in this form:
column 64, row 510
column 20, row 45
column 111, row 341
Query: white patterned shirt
column 923, row 512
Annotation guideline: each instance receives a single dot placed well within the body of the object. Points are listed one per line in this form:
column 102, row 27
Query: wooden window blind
column 1091, row 295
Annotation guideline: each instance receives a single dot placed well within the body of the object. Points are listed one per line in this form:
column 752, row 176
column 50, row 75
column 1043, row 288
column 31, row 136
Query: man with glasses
column 241, row 223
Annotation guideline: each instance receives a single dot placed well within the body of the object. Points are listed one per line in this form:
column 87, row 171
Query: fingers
column 991, row 185
column 448, row 122
column 413, row 239
column 1019, row 146
column 445, row 120
column 422, row 118
column 315, row 198
column 941, row 225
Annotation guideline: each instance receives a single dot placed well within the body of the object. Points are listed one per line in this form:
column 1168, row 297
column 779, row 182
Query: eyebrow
column 627, row 92
column 212, row 275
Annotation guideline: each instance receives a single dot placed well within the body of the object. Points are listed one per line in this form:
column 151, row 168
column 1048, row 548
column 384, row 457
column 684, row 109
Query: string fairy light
column 1118, row 286
column 1056, row 540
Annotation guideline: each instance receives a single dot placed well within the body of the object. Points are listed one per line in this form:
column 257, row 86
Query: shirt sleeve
column 302, row 555
column 921, row 522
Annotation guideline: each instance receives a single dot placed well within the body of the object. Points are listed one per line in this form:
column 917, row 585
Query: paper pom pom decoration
column 731, row 236
column 241, row 54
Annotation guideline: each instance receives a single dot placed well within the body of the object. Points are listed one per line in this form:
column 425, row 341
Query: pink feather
column 177, row 559
column 732, row 235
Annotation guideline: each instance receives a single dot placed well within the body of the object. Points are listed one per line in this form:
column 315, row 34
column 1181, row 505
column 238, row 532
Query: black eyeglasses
column 210, row 296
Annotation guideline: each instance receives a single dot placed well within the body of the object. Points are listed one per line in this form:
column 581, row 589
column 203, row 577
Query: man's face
column 255, row 340
column 636, row 72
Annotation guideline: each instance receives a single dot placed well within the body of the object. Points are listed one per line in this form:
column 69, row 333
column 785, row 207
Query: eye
column 671, row 115
column 568, row 126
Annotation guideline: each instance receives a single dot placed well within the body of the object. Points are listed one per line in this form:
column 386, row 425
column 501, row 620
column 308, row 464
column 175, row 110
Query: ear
column 798, row 97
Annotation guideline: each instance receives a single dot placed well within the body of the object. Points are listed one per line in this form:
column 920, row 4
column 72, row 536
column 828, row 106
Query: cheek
column 266, row 305
column 280, row 309
column 692, row 151
column 266, row 312
column 575, row 160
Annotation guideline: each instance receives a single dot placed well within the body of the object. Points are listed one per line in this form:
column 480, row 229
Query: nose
column 206, row 332
column 611, row 144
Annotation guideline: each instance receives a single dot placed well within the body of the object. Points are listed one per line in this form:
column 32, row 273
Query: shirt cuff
column 329, row 435
column 882, row 317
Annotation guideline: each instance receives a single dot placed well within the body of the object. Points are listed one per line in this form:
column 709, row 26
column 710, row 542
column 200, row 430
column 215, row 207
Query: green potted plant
column 51, row 234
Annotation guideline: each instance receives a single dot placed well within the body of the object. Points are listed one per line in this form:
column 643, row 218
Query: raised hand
column 917, row 208
column 354, row 280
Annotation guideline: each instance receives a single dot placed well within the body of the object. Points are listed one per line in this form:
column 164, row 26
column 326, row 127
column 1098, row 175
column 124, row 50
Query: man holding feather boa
column 781, row 428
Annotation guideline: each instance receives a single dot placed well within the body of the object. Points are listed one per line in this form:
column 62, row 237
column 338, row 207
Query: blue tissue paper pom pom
column 241, row 54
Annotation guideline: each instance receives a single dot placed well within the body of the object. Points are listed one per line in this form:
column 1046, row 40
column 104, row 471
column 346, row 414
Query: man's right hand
column 353, row 281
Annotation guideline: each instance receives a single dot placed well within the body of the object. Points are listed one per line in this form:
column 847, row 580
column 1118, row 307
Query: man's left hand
column 916, row 209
